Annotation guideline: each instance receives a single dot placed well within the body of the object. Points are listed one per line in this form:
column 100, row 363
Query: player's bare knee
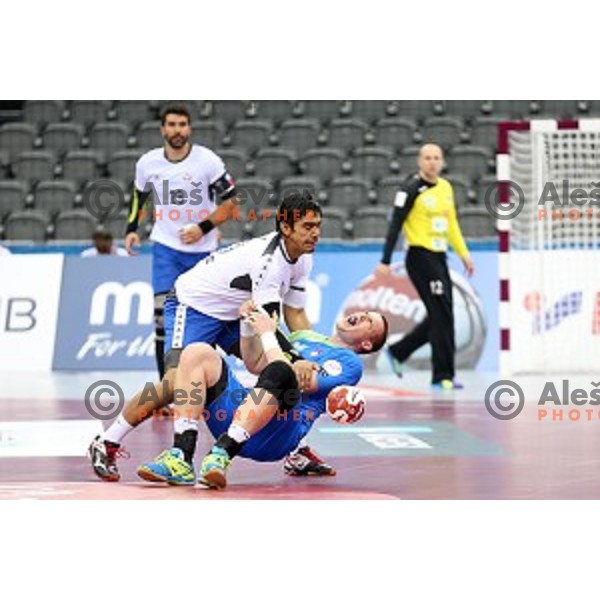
column 197, row 356
column 279, row 379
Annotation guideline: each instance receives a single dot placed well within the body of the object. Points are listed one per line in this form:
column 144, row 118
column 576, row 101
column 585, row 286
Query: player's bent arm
column 295, row 318
column 252, row 354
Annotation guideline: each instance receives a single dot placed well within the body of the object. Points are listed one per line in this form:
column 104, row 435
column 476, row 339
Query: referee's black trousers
column 428, row 272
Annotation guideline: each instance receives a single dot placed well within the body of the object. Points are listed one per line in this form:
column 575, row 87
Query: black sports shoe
column 103, row 456
column 306, row 462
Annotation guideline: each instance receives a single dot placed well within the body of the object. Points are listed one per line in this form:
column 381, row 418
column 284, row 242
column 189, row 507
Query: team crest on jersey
column 332, row 367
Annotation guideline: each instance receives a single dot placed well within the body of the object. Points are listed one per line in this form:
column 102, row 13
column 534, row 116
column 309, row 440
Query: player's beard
column 177, row 142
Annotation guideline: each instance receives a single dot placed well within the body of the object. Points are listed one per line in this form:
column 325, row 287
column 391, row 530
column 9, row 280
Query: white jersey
column 4, row 251
column 114, row 251
column 184, row 194
column 259, row 269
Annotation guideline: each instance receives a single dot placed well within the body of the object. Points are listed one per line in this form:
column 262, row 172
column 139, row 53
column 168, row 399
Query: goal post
column 547, row 205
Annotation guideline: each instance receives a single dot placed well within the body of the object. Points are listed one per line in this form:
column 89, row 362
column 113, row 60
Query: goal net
column 549, row 224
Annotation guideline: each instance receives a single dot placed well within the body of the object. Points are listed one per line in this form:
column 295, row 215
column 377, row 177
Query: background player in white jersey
column 206, row 304
column 269, row 422
column 185, row 181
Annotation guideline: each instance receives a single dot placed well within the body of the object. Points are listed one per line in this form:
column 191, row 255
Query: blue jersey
column 338, row 366
column 284, row 432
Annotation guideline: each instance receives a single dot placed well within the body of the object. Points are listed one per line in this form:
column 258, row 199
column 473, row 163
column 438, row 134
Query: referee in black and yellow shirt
column 424, row 208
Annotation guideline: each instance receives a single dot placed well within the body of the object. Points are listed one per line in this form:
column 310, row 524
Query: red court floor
column 411, row 444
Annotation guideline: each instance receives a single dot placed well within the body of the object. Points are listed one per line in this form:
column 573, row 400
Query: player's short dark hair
column 380, row 340
column 175, row 108
column 295, row 206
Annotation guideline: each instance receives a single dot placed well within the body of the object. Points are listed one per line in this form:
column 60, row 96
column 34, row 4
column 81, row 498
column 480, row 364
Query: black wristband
column 206, row 226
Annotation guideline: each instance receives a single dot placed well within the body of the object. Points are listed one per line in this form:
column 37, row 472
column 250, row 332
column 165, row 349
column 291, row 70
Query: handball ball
column 345, row 404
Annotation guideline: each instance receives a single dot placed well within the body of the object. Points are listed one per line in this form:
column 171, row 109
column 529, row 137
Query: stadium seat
column 251, row 136
column 134, row 112
column 34, row 165
column 298, row 184
column 116, row 224
column 486, row 185
column 234, row 230
column 12, row 197
column 475, row 222
column 333, row 223
column 369, row 110
column 471, row 161
column 321, row 110
column 371, row 222
column 235, row 161
column 91, row 190
column 81, row 166
column 275, row 163
column 387, row 188
column 407, row 159
column 26, row 225
column 299, row 134
column 16, row 138
column 484, row 131
column 41, row 112
column 515, row 109
column 416, row 109
column 461, row 186
column 109, row 138
column 464, row 109
column 395, row 132
column 347, row 134
column 444, row 131
column 559, row 109
column 348, row 193
column 121, row 165
column 59, row 138
column 275, row 111
column 229, row 111
column 263, row 226
column 208, row 133
column 324, row 163
column 54, row 196
column 255, row 194
column 372, row 163
column 74, row 225
column 88, row 112
column 148, row 136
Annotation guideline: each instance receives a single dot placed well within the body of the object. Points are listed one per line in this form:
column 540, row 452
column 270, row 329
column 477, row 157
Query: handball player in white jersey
column 185, row 183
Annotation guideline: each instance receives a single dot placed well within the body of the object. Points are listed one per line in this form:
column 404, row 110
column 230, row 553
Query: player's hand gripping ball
column 346, row 404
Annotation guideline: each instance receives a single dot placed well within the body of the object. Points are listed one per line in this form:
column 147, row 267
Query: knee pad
column 172, row 358
column 278, row 378
column 159, row 323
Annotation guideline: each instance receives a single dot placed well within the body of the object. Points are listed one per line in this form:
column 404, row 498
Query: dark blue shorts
column 169, row 264
column 280, row 436
column 184, row 326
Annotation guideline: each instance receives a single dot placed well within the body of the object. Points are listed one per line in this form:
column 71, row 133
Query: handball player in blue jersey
column 271, row 420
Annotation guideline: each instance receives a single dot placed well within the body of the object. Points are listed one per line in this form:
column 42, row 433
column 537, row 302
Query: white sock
column 184, row 424
column 117, row 431
column 238, row 433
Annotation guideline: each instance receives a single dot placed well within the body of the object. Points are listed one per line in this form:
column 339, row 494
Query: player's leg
column 442, row 326
column 165, row 271
column 182, row 327
column 199, row 371
column 106, row 448
column 419, row 272
column 276, row 388
column 429, row 274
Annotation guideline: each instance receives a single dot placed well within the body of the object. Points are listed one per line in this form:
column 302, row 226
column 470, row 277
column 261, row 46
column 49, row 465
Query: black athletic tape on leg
column 279, row 379
column 172, row 358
